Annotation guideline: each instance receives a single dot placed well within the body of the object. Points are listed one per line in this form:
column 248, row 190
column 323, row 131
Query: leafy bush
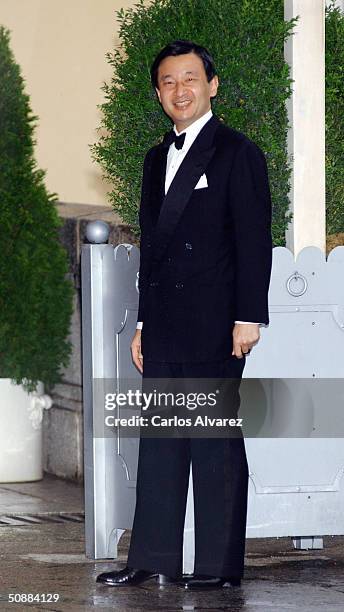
column 334, row 98
column 35, row 296
column 247, row 40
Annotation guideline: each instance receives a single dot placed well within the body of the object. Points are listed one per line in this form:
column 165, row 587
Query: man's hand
column 245, row 336
column 136, row 350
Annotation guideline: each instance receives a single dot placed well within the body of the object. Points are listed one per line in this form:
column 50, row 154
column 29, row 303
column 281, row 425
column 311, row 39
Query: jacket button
column 154, row 283
column 179, row 285
column 188, row 245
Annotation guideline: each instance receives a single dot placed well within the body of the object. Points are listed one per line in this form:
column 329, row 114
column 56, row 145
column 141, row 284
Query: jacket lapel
column 157, row 179
column 182, row 186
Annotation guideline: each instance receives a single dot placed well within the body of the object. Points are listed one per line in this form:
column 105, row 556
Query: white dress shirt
column 176, row 156
column 174, row 159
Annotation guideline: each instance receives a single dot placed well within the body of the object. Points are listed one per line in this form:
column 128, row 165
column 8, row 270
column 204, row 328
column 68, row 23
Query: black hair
column 181, row 47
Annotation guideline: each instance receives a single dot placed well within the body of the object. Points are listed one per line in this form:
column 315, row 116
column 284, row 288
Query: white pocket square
column 202, row 182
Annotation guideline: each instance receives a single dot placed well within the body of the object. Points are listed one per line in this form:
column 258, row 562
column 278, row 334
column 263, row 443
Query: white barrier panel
column 296, row 477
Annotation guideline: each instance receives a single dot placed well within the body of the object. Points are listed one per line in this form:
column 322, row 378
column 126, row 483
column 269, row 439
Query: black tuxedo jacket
column 205, row 253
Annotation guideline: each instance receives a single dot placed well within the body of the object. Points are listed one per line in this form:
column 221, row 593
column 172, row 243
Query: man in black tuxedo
column 206, row 253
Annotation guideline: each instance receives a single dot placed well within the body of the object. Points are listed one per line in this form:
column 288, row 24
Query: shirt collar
column 192, row 131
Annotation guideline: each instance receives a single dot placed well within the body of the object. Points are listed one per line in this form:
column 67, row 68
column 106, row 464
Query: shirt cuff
column 139, row 324
column 251, row 323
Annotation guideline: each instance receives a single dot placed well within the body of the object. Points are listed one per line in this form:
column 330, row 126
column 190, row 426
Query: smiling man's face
column 183, row 89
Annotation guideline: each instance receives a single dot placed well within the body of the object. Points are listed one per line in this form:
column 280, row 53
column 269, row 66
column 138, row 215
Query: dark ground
column 49, row 558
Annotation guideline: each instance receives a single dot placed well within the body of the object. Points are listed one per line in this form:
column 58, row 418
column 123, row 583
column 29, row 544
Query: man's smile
column 182, row 104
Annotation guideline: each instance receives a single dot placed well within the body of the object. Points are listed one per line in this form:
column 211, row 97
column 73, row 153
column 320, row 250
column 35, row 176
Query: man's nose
column 180, row 89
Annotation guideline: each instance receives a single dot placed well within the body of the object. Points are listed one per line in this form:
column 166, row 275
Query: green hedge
column 246, row 39
column 334, row 120
column 35, row 297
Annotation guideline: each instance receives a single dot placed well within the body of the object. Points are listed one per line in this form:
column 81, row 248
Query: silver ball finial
column 97, row 232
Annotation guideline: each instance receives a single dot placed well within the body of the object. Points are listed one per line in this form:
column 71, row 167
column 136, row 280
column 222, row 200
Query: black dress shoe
column 200, row 581
column 132, row 577
column 125, row 577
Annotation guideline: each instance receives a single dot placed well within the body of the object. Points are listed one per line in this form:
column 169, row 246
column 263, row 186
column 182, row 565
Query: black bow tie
column 171, row 137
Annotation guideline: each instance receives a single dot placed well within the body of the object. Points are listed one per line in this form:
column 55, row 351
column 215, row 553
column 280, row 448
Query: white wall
column 61, row 46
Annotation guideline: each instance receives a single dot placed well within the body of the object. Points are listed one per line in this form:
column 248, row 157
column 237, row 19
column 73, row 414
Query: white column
column 305, row 53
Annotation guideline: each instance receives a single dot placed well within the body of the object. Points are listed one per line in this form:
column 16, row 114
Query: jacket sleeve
column 250, row 202
column 144, row 244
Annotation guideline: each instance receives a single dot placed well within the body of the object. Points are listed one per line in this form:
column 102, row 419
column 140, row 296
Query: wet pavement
column 48, row 558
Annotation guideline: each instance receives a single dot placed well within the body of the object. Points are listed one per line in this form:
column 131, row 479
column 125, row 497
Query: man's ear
column 214, row 83
column 158, row 94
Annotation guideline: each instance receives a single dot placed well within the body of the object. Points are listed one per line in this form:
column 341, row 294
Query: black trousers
column 220, row 484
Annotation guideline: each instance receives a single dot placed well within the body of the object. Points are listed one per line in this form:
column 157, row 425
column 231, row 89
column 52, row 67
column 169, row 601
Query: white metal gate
column 292, row 395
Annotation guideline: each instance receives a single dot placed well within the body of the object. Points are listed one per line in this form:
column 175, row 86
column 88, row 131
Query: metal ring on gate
column 296, row 277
